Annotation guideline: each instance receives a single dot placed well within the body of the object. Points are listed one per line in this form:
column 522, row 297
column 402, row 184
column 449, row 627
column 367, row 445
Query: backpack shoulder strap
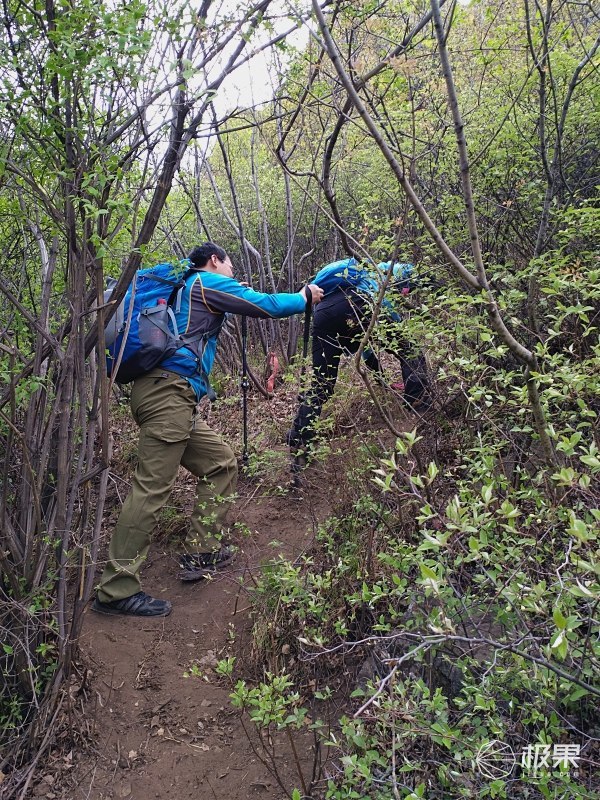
column 178, row 288
column 199, row 341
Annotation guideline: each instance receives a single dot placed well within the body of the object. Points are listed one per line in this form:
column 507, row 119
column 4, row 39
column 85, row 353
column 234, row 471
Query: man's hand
column 316, row 292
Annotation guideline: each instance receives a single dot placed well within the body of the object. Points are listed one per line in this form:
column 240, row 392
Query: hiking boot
column 195, row 566
column 299, row 445
column 300, row 452
column 138, row 605
column 293, row 438
column 419, row 404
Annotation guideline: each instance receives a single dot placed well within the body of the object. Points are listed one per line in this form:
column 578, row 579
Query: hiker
column 163, row 403
column 338, row 326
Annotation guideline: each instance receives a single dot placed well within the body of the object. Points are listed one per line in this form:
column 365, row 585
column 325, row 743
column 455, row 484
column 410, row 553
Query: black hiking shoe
column 293, row 438
column 138, row 605
column 195, row 566
column 299, row 453
column 420, row 405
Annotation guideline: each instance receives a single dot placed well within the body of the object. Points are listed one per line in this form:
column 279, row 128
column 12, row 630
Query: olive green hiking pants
column 164, row 406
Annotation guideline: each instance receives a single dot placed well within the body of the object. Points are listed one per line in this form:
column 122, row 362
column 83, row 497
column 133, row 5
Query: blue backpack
column 348, row 273
column 143, row 331
column 345, row 273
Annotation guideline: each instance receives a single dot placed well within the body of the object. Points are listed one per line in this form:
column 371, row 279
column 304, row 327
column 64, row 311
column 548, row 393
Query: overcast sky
column 253, row 82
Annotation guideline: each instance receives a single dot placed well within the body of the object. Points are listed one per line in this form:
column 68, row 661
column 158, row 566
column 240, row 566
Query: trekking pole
column 306, row 336
column 299, row 451
column 245, row 384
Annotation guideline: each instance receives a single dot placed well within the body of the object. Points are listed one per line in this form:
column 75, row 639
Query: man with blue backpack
column 163, row 403
column 338, row 326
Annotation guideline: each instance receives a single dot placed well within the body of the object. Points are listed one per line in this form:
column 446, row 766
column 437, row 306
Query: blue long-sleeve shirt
column 208, row 297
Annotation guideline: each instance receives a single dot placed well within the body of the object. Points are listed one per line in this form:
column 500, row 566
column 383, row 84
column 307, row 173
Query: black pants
column 339, row 322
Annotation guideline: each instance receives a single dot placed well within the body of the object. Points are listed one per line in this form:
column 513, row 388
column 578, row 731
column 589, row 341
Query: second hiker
column 338, row 326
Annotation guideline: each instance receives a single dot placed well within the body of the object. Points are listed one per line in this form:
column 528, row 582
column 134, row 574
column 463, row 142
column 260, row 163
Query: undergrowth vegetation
column 458, row 574
column 454, row 593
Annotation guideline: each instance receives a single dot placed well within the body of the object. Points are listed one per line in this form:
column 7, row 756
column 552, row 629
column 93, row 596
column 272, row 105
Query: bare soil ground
column 159, row 723
column 160, row 731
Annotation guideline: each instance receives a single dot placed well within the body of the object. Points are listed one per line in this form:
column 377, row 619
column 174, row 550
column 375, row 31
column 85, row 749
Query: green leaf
column 591, row 461
column 577, row 694
column 508, row 510
column 584, row 591
column 559, row 644
column 432, row 471
column 559, row 620
column 428, row 573
column 579, row 529
column 566, row 476
column 487, row 493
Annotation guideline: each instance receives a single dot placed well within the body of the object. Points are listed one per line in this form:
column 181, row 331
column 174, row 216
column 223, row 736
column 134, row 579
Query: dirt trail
column 154, row 732
column 157, row 733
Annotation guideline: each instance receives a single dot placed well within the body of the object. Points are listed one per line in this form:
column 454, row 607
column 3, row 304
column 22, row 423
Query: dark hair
column 200, row 255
